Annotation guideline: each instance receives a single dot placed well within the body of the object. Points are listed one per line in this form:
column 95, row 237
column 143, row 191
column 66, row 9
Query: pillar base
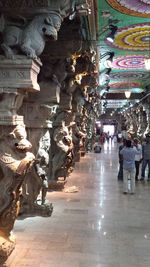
column 7, row 245
column 44, row 210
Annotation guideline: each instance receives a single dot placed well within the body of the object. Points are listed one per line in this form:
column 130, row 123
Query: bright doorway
column 110, row 129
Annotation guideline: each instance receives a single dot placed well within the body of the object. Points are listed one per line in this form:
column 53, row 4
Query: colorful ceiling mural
column 127, row 24
column 135, row 37
column 129, row 62
column 130, row 75
column 124, row 85
column 139, row 8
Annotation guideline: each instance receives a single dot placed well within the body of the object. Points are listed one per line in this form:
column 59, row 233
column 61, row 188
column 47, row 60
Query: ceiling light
column 127, row 94
column 109, row 59
column 111, row 36
column 113, row 21
column 108, row 64
column 106, row 13
column 108, row 26
column 108, row 70
column 107, row 88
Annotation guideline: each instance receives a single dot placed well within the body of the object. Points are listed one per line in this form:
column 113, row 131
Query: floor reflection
column 97, row 226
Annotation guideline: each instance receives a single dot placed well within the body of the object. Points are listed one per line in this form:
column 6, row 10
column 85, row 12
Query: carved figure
column 134, row 121
column 63, row 148
column 77, row 136
column 148, row 122
column 42, row 171
column 37, row 179
column 84, row 64
column 15, row 160
column 31, row 37
column 89, row 80
column 142, row 121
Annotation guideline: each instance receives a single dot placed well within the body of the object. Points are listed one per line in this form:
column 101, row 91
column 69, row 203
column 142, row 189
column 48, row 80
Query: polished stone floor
column 95, row 227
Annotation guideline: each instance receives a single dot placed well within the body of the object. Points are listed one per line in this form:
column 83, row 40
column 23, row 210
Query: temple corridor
column 97, row 226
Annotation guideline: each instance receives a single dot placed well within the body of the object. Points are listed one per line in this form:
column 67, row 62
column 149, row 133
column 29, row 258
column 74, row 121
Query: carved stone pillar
column 61, row 134
column 93, row 111
column 78, row 133
column 147, row 131
column 61, row 153
column 83, row 99
column 147, row 111
column 17, row 78
column 38, row 112
column 142, row 121
column 134, row 120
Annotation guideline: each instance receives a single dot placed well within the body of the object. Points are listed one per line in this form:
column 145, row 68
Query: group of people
column 131, row 154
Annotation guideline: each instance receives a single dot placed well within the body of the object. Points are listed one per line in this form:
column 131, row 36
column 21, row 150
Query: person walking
column 146, row 157
column 128, row 153
column 138, row 157
column 120, row 172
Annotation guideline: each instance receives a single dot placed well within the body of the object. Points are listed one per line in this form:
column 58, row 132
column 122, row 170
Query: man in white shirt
column 128, row 153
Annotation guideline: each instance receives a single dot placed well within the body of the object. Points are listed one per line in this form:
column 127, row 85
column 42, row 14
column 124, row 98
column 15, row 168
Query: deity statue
column 35, row 185
column 15, row 161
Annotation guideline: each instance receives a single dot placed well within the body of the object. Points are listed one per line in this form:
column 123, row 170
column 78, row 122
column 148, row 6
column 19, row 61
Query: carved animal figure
column 30, row 38
column 15, row 160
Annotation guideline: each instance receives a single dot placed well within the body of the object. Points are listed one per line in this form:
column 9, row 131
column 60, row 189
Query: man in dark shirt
column 120, row 173
column 146, row 157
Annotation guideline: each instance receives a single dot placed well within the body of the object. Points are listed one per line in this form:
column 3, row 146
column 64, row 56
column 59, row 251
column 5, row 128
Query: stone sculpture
column 15, row 161
column 148, row 122
column 146, row 106
column 36, row 182
column 134, row 118
column 43, row 163
column 30, row 37
column 142, row 121
column 63, row 147
column 77, row 137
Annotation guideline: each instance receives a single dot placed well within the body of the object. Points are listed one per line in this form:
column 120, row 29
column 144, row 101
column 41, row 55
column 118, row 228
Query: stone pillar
column 93, row 115
column 79, row 133
column 147, row 131
column 17, row 77
column 147, row 111
column 142, row 120
column 61, row 153
column 38, row 113
column 61, row 134
column 134, row 120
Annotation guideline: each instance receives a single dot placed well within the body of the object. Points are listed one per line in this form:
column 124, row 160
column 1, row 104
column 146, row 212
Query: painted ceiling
column 129, row 22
